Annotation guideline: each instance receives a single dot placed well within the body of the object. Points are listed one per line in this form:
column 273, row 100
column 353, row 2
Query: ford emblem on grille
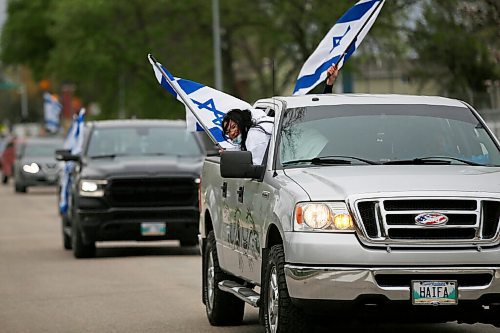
column 431, row 219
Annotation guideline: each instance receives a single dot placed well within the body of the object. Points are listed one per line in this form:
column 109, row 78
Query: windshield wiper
column 107, row 156
column 334, row 159
column 433, row 160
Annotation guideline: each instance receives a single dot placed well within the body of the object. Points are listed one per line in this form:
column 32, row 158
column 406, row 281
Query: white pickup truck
column 364, row 202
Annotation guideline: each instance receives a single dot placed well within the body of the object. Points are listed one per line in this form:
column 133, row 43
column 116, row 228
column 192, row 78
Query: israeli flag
column 74, row 143
column 51, row 111
column 338, row 44
column 205, row 106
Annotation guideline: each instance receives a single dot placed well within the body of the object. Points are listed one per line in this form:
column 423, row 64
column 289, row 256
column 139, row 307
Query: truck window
column 143, row 140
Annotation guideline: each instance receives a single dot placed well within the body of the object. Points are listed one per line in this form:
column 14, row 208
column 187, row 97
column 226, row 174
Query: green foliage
column 101, row 46
column 455, row 46
column 24, row 36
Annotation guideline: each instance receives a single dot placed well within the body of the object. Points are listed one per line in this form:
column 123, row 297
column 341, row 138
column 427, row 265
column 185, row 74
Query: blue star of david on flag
column 337, row 39
column 210, row 106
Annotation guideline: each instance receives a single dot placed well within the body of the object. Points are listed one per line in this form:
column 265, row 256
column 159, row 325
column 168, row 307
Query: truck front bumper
column 390, row 283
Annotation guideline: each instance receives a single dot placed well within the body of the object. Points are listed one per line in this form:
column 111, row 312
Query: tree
column 24, row 37
column 456, row 47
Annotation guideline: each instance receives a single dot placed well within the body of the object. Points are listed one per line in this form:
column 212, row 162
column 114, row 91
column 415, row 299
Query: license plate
column 434, row 292
column 153, row 229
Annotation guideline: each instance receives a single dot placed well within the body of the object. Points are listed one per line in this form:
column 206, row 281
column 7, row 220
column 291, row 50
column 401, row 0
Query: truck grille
column 391, row 221
column 153, row 192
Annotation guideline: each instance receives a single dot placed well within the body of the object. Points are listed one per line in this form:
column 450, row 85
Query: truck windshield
column 142, row 141
column 379, row 134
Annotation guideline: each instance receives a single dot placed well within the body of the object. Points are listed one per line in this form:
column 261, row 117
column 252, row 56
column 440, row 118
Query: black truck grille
column 394, row 220
column 153, row 192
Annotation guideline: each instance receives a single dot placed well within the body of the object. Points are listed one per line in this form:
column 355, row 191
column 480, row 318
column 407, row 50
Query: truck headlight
column 323, row 217
column 31, row 168
column 92, row 188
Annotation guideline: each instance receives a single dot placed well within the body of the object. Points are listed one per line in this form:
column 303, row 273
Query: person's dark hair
column 242, row 118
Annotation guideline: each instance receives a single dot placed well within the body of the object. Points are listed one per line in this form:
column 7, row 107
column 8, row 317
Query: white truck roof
column 343, row 99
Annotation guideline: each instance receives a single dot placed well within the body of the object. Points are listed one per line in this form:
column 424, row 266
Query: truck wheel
column 19, row 188
column 80, row 249
column 280, row 315
column 5, row 179
column 222, row 307
column 66, row 238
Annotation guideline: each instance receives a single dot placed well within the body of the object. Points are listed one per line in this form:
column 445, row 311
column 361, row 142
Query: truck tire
column 19, row 188
column 222, row 308
column 5, row 179
column 280, row 314
column 66, row 238
column 80, row 248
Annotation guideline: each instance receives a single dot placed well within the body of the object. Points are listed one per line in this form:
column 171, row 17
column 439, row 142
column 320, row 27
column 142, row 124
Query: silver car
column 35, row 163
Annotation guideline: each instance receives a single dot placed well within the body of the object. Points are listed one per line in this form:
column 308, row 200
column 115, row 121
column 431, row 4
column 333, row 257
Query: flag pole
column 184, row 98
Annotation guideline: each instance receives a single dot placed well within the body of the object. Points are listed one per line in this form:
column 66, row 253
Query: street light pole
column 217, row 45
column 23, row 93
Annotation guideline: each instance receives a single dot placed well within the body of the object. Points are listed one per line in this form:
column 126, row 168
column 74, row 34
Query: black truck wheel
column 65, row 224
column 222, row 308
column 280, row 314
column 19, row 188
column 80, row 248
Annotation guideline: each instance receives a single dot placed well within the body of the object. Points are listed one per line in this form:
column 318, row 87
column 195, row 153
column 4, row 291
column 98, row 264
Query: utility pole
column 217, row 45
column 23, row 94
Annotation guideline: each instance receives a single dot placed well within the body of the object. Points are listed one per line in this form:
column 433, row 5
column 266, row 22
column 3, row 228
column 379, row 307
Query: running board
column 246, row 294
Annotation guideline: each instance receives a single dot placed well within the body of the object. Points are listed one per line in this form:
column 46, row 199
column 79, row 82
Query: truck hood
column 141, row 166
column 339, row 182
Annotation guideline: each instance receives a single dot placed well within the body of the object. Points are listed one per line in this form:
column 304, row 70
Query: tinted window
column 384, row 133
column 136, row 141
column 35, row 149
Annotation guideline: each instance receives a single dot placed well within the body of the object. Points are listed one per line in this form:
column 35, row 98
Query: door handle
column 240, row 192
column 265, row 194
column 224, row 189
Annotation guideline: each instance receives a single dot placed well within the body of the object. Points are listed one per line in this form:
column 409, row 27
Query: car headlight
column 31, row 168
column 322, row 217
column 92, row 188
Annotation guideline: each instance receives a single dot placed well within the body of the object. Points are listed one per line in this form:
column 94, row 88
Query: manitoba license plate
column 153, row 229
column 434, row 292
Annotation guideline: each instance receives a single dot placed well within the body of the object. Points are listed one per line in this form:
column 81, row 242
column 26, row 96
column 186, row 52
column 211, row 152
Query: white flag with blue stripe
column 208, row 104
column 51, row 111
column 74, row 143
column 338, row 44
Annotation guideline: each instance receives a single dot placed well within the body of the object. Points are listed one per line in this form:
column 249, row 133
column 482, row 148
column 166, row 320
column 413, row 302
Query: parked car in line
column 134, row 180
column 8, row 157
column 35, row 164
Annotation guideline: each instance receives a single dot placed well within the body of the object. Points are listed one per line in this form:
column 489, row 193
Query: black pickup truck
column 134, row 180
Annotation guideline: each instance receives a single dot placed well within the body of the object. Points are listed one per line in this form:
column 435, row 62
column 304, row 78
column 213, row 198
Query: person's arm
column 332, row 73
column 328, row 88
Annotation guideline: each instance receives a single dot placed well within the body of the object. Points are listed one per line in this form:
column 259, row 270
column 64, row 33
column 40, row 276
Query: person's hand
column 221, row 151
column 333, row 72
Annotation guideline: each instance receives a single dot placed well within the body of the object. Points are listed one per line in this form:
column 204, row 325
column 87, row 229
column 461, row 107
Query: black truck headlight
column 92, row 188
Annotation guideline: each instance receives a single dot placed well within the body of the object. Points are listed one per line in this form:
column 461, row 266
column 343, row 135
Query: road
column 128, row 287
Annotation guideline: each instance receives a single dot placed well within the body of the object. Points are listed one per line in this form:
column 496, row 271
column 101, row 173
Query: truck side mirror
column 65, row 155
column 238, row 164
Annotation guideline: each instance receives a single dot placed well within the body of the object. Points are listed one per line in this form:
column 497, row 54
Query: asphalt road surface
column 128, row 287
